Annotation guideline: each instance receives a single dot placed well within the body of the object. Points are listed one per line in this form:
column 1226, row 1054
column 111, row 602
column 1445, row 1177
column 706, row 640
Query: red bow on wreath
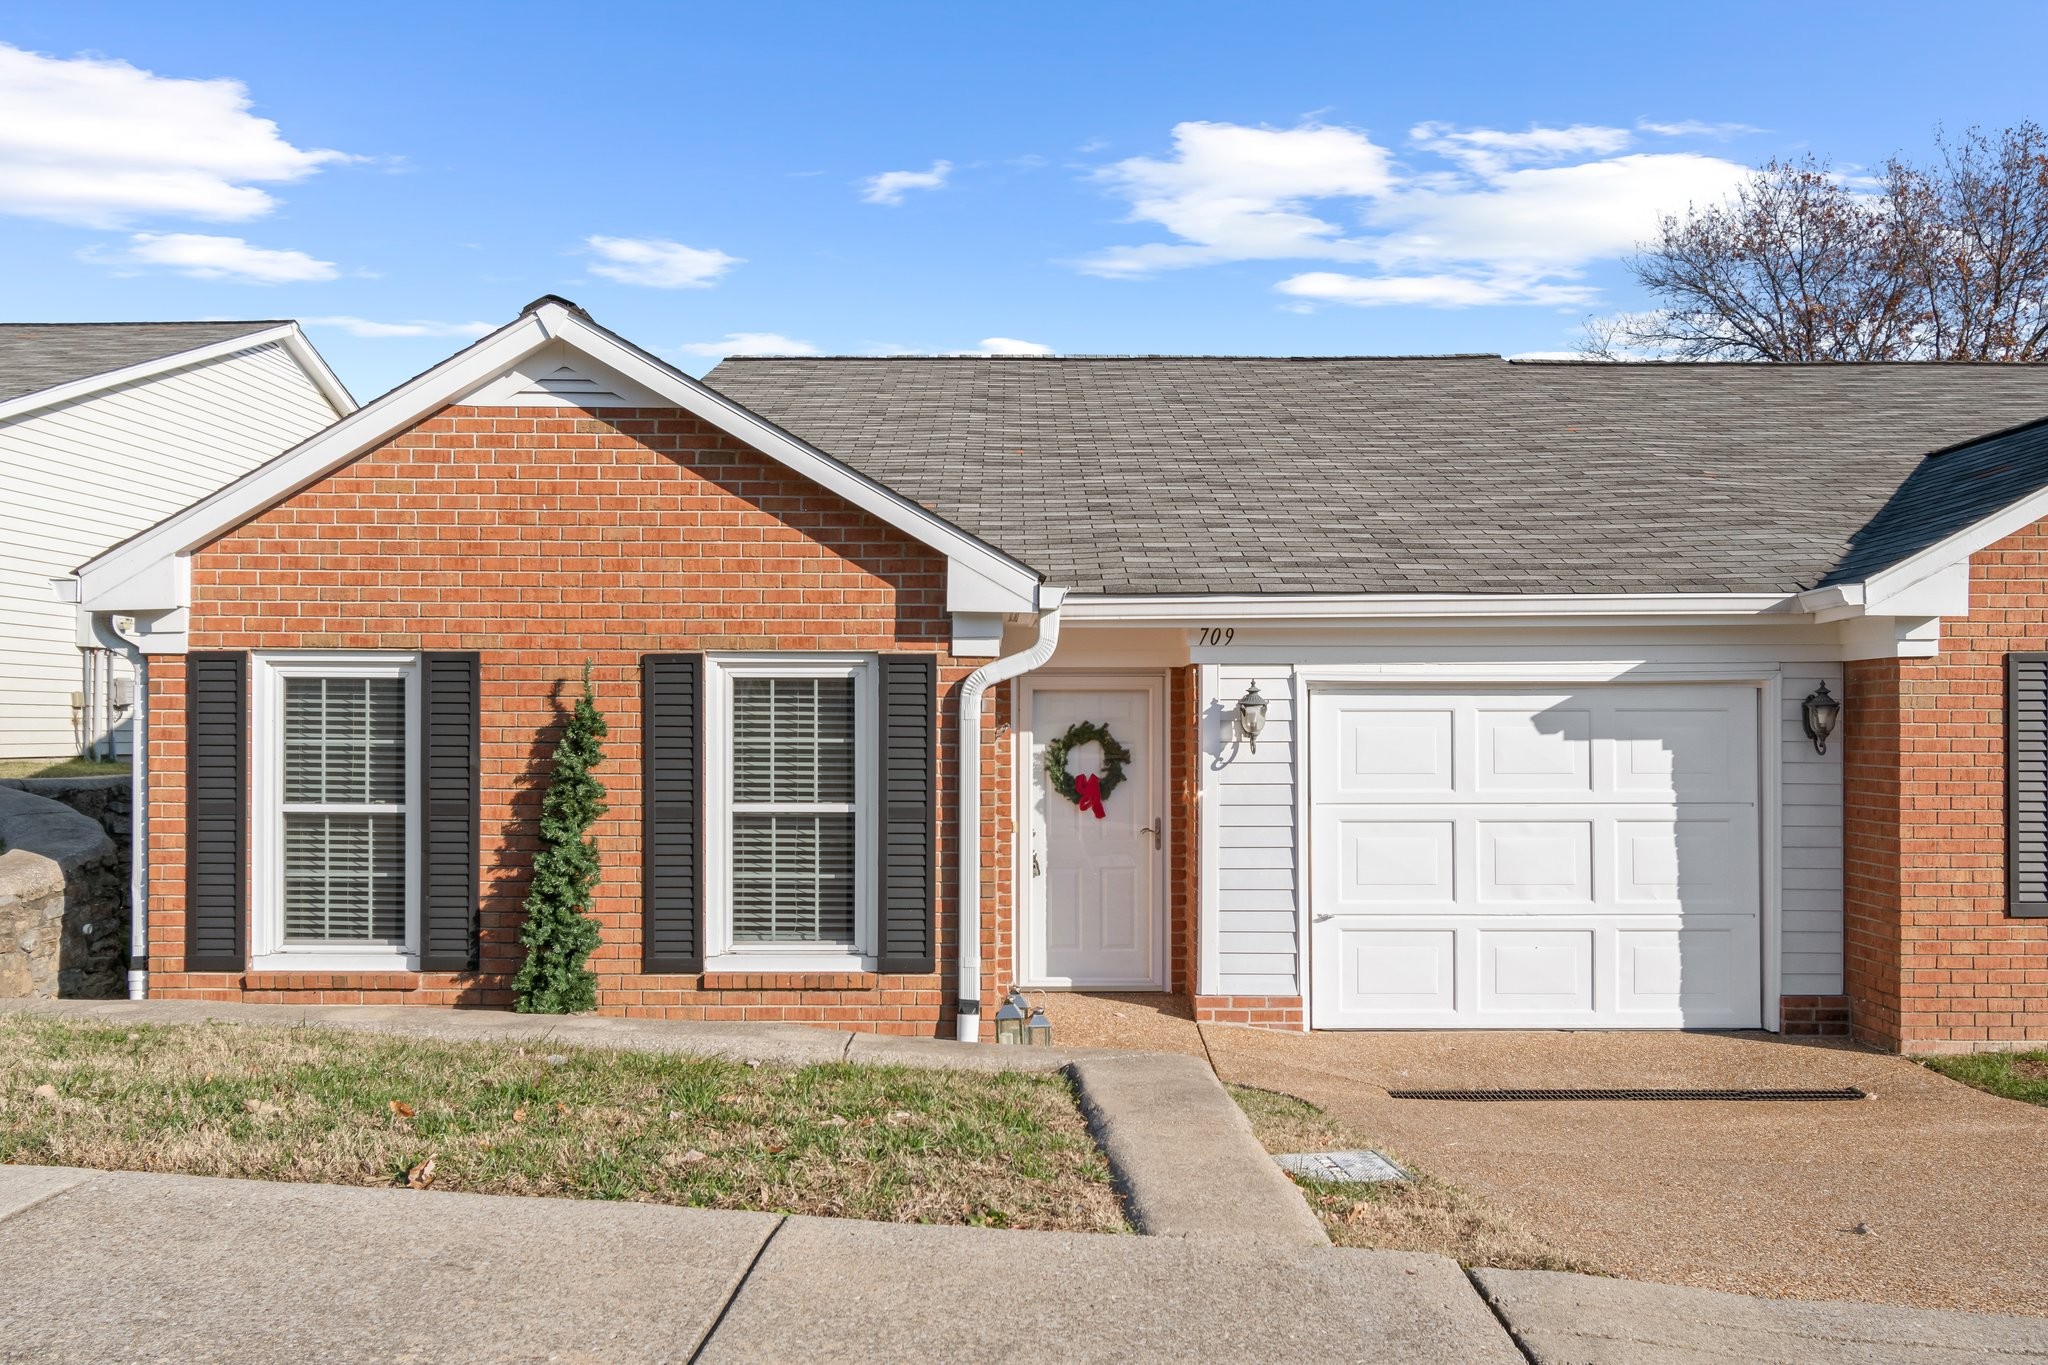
column 1088, row 793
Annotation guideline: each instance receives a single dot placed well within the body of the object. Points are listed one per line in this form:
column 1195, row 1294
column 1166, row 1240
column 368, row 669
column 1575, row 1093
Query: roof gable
column 150, row 572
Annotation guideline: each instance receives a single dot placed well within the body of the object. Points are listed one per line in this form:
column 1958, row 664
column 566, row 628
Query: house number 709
column 1216, row 635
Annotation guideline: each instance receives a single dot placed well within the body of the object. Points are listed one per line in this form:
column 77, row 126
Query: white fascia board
column 1958, row 548
column 149, row 369
column 141, row 559
column 1017, row 579
column 1337, row 607
column 302, row 349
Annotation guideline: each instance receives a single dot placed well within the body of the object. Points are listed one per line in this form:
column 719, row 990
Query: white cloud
column 658, row 264
column 1502, row 216
column 1007, row 346
column 749, row 343
column 204, row 257
column 1493, row 149
column 1428, row 291
column 99, row 143
column 890, row 186
column 365, row 327
column 1234, row 194
column 1692, row 127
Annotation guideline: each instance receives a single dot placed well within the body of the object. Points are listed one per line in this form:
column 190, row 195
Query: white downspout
column 968, row 1026
column 138, row 814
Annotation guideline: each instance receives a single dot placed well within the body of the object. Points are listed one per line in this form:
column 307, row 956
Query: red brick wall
column 544, row 537
column 1933, row 963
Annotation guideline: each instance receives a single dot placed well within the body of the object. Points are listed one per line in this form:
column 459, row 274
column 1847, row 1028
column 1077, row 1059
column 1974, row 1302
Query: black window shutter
column 2026, row 784
column 451, row 790
column 671, row 841
column 216, row 811
column 909, row 741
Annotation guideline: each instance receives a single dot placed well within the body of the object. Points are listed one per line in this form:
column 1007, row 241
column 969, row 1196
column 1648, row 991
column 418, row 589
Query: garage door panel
column 1535, row 860
column 1393, row 862
column 1410, row 973
column 1528, row 972
column 1542, row 749
column 1560, row 859
column 1393, row 750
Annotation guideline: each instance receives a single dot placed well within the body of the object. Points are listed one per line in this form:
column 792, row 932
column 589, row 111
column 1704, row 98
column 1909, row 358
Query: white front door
column 1518, row 859
column 1093, row 916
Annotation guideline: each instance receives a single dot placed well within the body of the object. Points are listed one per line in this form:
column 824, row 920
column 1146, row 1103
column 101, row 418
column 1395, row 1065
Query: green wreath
column 1114, row 757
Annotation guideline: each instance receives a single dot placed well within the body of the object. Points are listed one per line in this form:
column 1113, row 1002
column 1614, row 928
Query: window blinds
column 793, row 856
column 344, row 865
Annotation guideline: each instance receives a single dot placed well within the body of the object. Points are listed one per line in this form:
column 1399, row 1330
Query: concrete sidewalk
column 117, row 1266
column 113, row 1266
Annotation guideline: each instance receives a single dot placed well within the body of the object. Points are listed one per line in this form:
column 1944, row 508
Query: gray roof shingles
column 1463, row 474
column 41, row 355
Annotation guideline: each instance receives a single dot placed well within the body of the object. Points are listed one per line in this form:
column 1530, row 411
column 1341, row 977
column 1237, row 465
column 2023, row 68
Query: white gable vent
column 556, row 377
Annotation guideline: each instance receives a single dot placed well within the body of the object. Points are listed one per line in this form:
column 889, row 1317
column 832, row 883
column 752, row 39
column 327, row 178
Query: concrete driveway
column 1757, row 1198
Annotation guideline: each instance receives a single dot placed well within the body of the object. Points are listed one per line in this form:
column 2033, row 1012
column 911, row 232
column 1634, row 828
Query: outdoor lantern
column 1820, row 711
column 1251, row 716
column 1039, row 1030
column 1010, row 1021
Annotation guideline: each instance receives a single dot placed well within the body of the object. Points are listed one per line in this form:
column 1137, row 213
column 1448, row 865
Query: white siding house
column 105, row 429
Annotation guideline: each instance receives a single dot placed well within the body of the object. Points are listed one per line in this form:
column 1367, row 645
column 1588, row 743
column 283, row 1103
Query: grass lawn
column 2015, row 1075
column 1422, row 1214
column 1005, row 1149
column 60, row 767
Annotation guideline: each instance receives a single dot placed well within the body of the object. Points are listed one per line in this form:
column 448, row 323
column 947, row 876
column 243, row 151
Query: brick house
column 1337, row 693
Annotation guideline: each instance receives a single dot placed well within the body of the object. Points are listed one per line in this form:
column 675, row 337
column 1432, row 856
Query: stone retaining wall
column 63, row 901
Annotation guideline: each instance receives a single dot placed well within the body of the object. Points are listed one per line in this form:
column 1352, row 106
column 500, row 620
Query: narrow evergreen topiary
column 559, row 936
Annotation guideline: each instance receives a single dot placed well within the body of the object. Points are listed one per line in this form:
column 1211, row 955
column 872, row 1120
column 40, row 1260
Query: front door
column 1093, row 916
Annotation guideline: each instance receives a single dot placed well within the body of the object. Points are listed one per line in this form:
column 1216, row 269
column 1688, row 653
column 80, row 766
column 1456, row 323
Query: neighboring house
column 105, row 429
column 1533, row 640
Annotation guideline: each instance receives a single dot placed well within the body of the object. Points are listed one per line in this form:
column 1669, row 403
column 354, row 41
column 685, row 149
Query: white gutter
column 138, row 814
column 1180, row 609
column 968, row 1026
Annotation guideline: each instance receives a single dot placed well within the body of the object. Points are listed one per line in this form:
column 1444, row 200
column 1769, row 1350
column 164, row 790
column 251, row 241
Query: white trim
column 1300, row 719
column 1343, row 606
column 102, row 579
column 1955, row 549
column 1209, row 806
column 268, row 952
column 1156, row 687
column 1766, row 679
column 287, row 333
column 720, row 952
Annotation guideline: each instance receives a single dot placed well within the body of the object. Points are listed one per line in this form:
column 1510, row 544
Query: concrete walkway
column 1750, row 1198
column 116, row 1266
column 113, row 1266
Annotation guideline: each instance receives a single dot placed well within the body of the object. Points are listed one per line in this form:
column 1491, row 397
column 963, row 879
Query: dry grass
column 60, row 767
column 1422, row 1214
column 993, row 1149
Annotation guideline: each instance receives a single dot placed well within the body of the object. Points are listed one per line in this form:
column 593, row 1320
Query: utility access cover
column 1341, row 1167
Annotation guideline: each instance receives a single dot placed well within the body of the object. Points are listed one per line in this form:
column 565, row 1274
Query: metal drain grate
column 1847, row 1092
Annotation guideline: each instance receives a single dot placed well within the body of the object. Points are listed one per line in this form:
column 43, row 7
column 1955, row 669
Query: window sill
column 308, row 960
column 785, row 964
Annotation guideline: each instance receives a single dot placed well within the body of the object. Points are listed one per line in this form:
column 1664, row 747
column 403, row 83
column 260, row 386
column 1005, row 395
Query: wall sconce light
column 1251, row 717
column 1820, row 712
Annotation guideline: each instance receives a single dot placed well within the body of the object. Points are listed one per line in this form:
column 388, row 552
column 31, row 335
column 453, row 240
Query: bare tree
column 1946, row 262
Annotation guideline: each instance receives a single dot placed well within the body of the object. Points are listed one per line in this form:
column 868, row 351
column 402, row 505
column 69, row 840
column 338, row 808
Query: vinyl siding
column 1810, row 810
column 1256, row 916
column 83, row 476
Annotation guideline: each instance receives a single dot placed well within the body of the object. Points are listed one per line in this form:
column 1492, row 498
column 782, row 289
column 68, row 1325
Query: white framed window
column 335, row 805
column 789, row 780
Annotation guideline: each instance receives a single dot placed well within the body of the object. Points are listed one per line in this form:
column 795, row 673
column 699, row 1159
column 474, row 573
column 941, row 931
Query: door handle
column 1036, row 870
column 1153, row 830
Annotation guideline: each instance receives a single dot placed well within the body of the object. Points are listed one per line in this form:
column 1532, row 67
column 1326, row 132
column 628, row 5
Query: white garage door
column 1582, row 858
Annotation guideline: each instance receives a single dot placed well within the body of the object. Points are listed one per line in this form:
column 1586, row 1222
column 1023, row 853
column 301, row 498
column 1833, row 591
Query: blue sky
column 873, row 178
